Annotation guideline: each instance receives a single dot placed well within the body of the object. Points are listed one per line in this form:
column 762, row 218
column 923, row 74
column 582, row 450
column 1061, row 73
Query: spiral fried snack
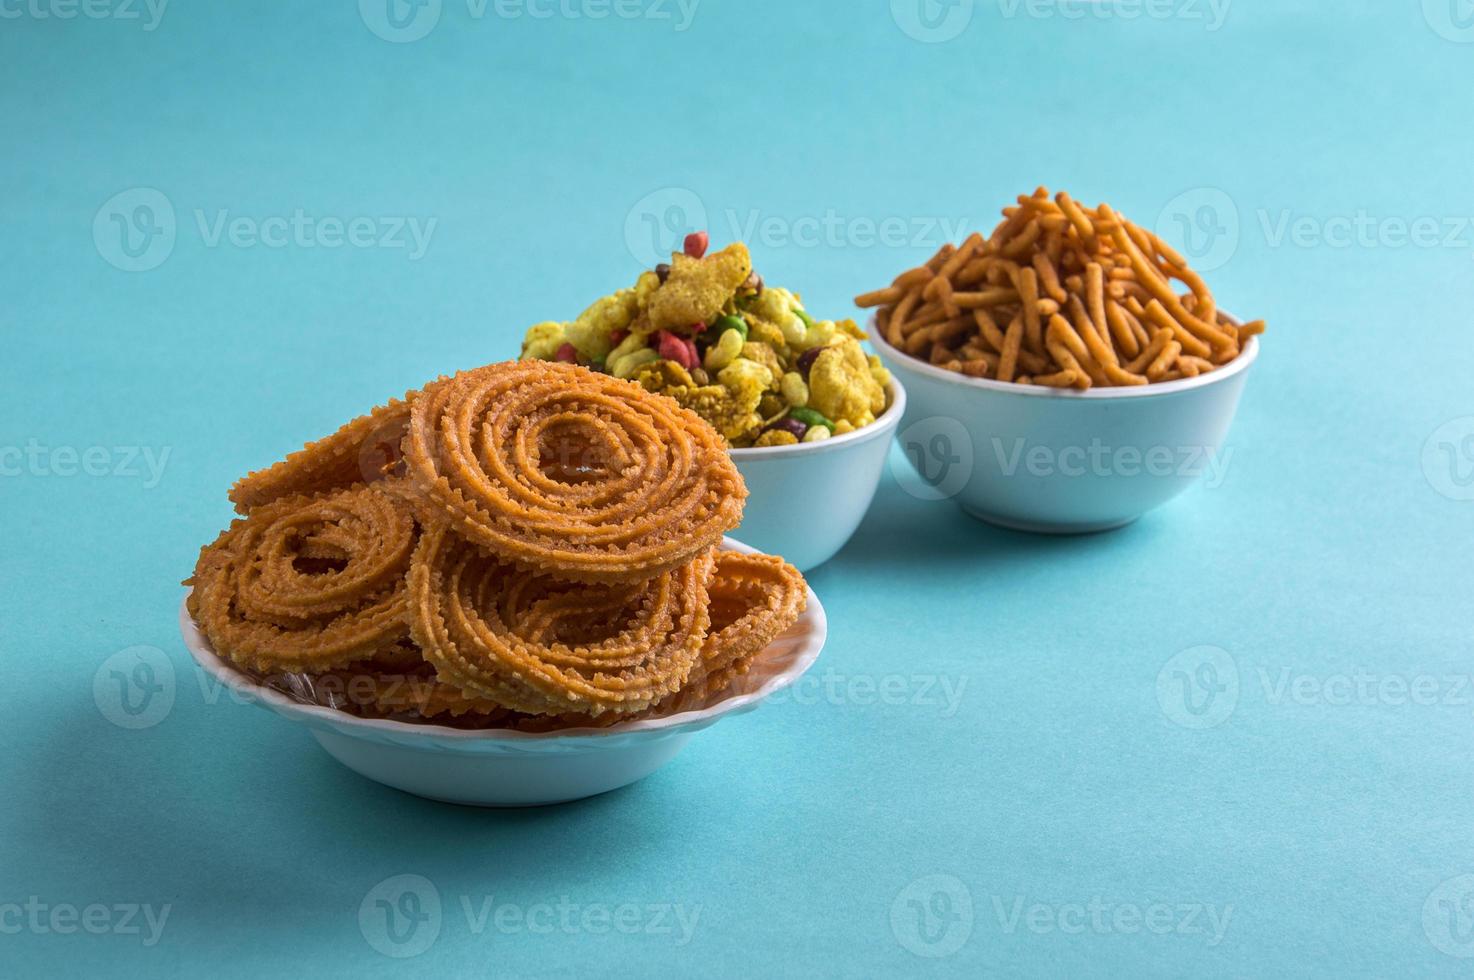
column 571, row 473
column 309, row 583
column 422, row 696
column 416, row 695
column 752, row 599
column 362, row 451
column 426, row 696
column 539, row 645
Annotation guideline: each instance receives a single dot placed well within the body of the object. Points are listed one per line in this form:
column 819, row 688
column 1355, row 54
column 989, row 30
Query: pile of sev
column 1063, row 296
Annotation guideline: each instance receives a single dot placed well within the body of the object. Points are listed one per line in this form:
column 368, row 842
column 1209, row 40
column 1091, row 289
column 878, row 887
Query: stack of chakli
column 527, row 545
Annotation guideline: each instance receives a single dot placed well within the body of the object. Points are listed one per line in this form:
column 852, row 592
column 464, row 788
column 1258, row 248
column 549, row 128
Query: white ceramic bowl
column 499, row 768
column 805, row 501
column 1063, row 462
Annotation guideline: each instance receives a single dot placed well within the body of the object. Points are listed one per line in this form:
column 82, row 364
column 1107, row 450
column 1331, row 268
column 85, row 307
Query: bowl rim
column 225, row 673
column 886, row 423
column 899, row 360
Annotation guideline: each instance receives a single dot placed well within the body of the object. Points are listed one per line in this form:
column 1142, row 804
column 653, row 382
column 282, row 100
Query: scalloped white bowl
column 503, row 769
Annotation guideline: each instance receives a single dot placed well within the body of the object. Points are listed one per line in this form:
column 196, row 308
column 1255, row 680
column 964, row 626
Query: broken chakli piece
column 528, row 546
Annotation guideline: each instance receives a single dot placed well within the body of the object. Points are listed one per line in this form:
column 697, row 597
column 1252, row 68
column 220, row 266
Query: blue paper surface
column 1229, row 740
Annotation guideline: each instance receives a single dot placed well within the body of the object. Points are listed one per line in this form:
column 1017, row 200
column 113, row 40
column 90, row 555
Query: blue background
column 1064, row 773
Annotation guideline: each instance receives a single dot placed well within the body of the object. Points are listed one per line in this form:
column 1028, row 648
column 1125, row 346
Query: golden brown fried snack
column 427, row 696
column 364, row 450
column 571, row 473
column 309, row 584
column 697, row 289
column 1061, row 296
column 541, row 646
column 419, row 695
column 752, row 599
